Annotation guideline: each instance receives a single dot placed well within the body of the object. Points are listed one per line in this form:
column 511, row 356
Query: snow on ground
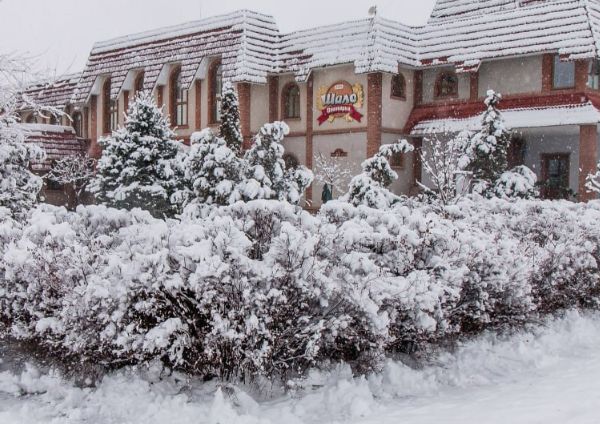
column 548, row 375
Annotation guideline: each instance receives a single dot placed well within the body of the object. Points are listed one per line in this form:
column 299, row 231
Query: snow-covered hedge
column 265, row 288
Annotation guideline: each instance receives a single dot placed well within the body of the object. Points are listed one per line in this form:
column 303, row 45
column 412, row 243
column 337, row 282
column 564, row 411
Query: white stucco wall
column 395, row 112
column 430, row 77
column 511, row 76
column 325, row 78
column 354, row 144
column 259, row 111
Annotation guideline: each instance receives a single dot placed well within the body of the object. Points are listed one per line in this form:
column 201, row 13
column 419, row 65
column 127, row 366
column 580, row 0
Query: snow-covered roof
column 462, row 33
column 56, row 140
column 516, row 119
column 245, row 40
column 57, row 92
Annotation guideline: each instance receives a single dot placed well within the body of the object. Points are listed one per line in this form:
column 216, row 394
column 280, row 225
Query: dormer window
column 563, row 74
column 110, row 109
column 78, row 124
column 594, row 75
column 179, row 100
column 139, row 84
column 215, row 91
column 446, row 85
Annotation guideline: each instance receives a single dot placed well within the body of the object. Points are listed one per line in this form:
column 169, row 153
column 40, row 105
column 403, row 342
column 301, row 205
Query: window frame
column 285, row 98
column 77, row 123
column 556, row 61
column 107, row 108
column 394, row 95
column 214, row 97
column 138, row 84
column 438, row 86
column 179, row 104
column 545, row 159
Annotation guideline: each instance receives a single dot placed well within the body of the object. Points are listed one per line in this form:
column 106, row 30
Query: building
column 346, row 89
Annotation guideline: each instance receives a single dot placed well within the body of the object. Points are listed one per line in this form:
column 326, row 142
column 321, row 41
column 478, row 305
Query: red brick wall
column 273, row 98
column 245, row 99
column 310, row 89
column 94, row 147
column 588, row 158
column 374, row 105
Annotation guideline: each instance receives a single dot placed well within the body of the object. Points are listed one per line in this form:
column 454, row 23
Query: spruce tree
column 266, row 173
column 486, row 152
column 19, row 187
column 370, row 187
column 138, row 167
column 230, row 118
column 212, row 170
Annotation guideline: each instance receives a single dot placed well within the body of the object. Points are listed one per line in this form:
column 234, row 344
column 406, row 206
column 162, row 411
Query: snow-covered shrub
column 74, row 172
column 519, row 182
column 266, row 174
column 370, row 187
column 19, row 187
column 138, row 167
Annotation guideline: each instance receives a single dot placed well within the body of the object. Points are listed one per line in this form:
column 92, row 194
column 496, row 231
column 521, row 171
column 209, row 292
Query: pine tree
column 370, row 187
column 486, row 152
column 266, row 173
column 138, row 167
column 230, row 118
column 19, row 187
column 212, row 170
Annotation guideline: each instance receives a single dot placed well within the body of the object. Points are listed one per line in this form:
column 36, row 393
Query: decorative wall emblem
column 341, row 100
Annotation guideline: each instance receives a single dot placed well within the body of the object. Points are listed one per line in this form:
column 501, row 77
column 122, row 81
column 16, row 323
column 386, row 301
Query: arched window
column 179, row 100
column 399, row 87
column 31, row 119
column 53, row 119
column 446, row 85
column 215, row 89
column 110, row 109
column 78, row 124
column 138, row 86
column 291, row 101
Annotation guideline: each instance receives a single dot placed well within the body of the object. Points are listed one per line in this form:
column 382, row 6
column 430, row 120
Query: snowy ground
column 550, row 375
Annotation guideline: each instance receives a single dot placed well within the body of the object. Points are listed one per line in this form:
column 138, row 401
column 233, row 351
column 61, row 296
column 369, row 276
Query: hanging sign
column 341, row 100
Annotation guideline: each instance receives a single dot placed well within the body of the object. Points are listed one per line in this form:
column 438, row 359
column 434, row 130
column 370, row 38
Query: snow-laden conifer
column 138, row 166
column 266, row 174
column 370, row 188
column 230, row 118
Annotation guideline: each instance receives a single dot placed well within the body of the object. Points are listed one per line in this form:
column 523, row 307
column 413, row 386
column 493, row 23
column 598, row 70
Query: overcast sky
column 60, row 33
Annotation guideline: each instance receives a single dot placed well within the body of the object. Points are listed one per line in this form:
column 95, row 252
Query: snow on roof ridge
column 205, row 24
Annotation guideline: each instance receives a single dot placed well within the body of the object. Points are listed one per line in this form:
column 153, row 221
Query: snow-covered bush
column 19, row 187
column 263, row 288
column 370, row 187
column 266, row 174
column 75, row 173
column 138, row 167
column 519, row 182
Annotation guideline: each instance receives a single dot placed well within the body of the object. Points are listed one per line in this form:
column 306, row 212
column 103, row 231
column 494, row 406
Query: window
column 216, row 88
column 110, row 109
column 53, row 119
column 179, row 100
column 397, row 160
column 399, row 87
column 563, row 74
column 139, row 84
column 78, row 124
column 594, row 75
column 516, row 151
column 446, row 85
column 31, row 119
column 291, row 161
column 291, row 102
column 555, row 175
